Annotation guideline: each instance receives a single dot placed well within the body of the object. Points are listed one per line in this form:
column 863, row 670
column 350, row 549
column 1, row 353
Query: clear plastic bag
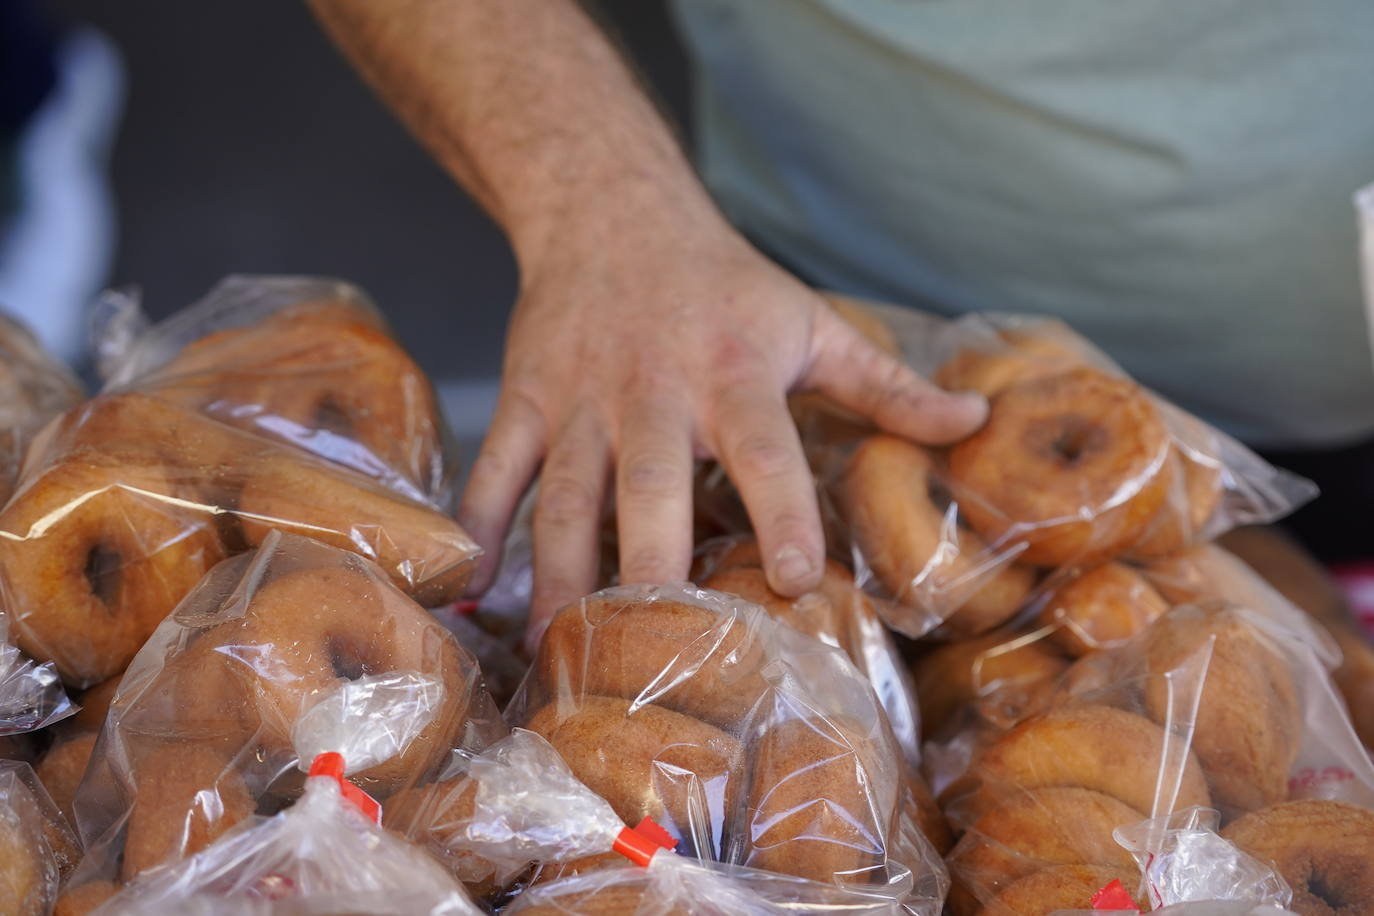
column 751, row 743
column 302, row 360
column 31, row 695
column 34, row 388
column 276, row 656
column 37, row 848
column 1076, row 466
column 127, row 500
column 319, row 856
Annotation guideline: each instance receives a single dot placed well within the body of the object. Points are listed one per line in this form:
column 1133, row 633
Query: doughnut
column 328, row 625
column 1073, row 465
column 616, row 644
column 619, row 899
column 324, row 376
column 1249, row 720
column 817, row 805
column 1208, row 573
column 1020, row 354
column 435, row 815
column 1101, row 608
column 1011, row 675
column 1194, row 494
column 28, row 878
column 1323, row 849
column 94, row 555
column 1264, row 552
column 34, row 388
column 61, row 769
column 94, row 705
column 1355, row 680
column 650, row 762
column 186, row 797
column 79, row 901
column 925, row 812
column 1056, row 825
column 935, row 567
column 1109, row 750
column 548, row 872
column 1061, row 887
column 424, row 552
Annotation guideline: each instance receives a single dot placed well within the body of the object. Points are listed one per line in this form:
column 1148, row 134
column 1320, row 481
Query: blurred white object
column 56, row 249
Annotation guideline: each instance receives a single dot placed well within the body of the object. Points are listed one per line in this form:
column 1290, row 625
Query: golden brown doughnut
column 324, row 376
column 95, row 705
column 1323, row 849
column 328, row 625
column 618, row 899
column 433, row 816
column 26, row 879
column 815, row 808
column 94, row 555
column 1062, row 887
column 34, row 388
column 1101, row 608
column 649, row 762
column 1109, row 750
column 61, row 769
column 424, row 552
column 1014, row 674
column 613, row 646
column 1073, row 465
column 1194, row 494
column 1249, row 721
column 1055, row 825
column 925, row 812
column 186, row 797
column 886, row 495
column 1043, row 349
column 1208, row 573
column 78, row 901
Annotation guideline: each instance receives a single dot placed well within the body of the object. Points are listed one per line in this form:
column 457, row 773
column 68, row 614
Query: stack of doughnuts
column 127, row 500
column 34, row 388
column 205, row 727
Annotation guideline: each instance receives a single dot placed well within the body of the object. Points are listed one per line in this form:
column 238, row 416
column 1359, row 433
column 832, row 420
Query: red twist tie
column 466, row 608
column 639, row 843
column 330, row 765
column 1114, row 897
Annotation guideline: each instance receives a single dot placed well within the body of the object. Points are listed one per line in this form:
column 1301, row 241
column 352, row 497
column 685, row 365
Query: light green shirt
column 1174, row 179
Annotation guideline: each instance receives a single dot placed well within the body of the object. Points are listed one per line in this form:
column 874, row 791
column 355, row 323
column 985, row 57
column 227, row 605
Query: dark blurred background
column 248, row 145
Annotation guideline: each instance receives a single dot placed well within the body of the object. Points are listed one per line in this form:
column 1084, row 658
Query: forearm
column 527, row 104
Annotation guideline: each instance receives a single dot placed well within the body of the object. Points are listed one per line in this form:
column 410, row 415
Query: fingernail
column 792, row 564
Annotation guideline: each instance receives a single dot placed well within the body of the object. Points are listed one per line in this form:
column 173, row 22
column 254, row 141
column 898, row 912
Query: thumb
column 859, row 376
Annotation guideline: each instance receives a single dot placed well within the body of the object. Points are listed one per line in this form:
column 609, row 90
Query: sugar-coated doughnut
column 1101, row 608
column 1109, row 750
column 614, row 646
column 1194, row 493
column 1249, row 720
column 1061, row 887
column 649, row 762
column 1323, row 849
column 322, row 375
column 186, row 797
column 814, row 805
column 328, row 625
column 81, row 900
column 94, row 554
column 1073, row 465
column 1009, row 676
column 919, row 552
column 26, row 877
column 1055, row 825
column 424, row 552
column 62, row 767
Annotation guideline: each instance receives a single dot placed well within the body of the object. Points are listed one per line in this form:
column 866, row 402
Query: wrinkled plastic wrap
column 127, row 500
column 37, row 848
column 1076, row 466
column 750, row 743
column 320, row 856
column 276, row 656
column 31, row 695
column 1080, row 765
column 34, row 388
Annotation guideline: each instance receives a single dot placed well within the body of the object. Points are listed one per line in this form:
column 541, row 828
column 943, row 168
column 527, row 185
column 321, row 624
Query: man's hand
column 647, row 330
column 640, row 342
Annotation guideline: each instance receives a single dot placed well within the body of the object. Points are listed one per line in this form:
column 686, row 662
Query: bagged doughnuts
column 37, row 848
column 304, row 361
column 34, row 388
column 129, row 499
column 750, row 743
column 321, row 855
column 31, row 696
column 275, row 657
column 1076, row 466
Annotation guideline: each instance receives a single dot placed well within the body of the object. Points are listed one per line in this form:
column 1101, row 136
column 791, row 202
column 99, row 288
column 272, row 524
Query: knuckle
column 566, row 499
column 763, row 456
column 648, row 475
